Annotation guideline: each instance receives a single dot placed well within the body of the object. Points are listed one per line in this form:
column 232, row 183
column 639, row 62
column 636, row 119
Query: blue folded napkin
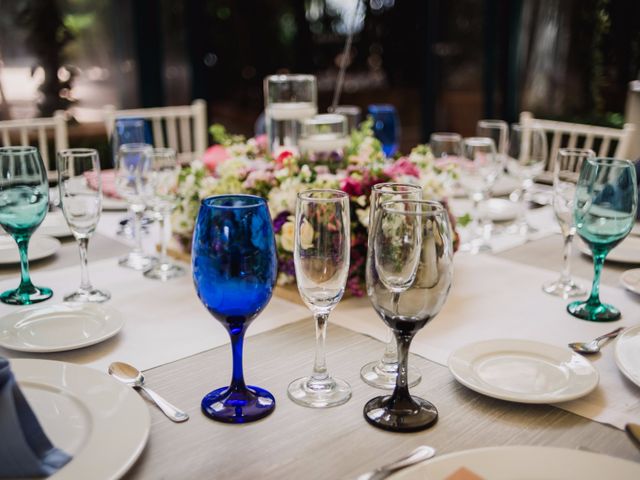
column 25, row 450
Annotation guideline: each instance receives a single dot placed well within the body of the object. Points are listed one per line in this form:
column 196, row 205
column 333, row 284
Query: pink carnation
column 402, row 166
column 351, row 186
column 261, row 141
column 214, row 156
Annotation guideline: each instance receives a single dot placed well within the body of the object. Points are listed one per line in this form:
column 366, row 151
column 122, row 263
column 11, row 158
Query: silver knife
column 418, row 455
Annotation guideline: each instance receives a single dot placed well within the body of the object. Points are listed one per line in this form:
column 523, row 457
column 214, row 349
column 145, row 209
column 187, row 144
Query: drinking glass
column 386, row 127
column 565, row 175
column 81, row 208
column 234, row 272
column 479, row 170
column 162, row 200
column 604, row 213
column 526, row 158
column 411, row 270
column 498, row 131
column 24, row 200
column 383, row 372
column 321, row 258
column 132, row 173
column 446, row 145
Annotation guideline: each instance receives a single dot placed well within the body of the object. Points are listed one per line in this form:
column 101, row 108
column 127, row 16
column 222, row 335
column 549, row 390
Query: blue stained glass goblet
column 234, row 271
column 386, row 127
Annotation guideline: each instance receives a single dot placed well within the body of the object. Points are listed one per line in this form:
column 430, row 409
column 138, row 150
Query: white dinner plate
column 626, row 252
column 54, row 225
column 631, row 280
column 523, row 371
column 40, row 246
column 499, row 209
column 524, row 463
column 627, row 354
column 57, row 328
column 101, row 422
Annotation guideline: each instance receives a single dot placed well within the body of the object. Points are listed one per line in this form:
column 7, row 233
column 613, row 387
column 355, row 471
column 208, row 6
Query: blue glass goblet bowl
column 234, row 271
column 386, row 127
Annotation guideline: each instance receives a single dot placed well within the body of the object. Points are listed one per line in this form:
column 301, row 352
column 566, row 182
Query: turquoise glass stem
column 26, row 287
column 598, row 262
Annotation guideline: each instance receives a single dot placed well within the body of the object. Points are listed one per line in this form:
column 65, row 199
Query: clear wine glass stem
column 401, row 399
column 598, row 262
column 85, row 283
column 320, row 365
column 390, row 355
column 25, row 279
column 565, row 275
column 236, row 332
column 137, row 229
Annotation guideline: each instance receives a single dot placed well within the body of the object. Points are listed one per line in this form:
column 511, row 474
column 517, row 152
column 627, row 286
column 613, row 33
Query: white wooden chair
column 36, row 132
column 606, row 142
column 183, row 128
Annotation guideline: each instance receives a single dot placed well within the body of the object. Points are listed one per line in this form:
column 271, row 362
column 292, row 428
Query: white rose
column 306, row 235
column 287, row 236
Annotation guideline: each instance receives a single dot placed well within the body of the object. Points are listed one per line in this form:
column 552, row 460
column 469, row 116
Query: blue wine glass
column 130, row 130
column 24, row 200
column 604, row 212
column 386, row 127
column 234, row 271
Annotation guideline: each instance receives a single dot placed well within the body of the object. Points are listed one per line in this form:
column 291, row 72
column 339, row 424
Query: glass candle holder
column 324, row 137
column 288, row 99
column 353, row 114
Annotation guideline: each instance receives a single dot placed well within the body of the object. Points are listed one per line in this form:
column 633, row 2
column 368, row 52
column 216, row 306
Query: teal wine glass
column 604, row 213
column 24, row 200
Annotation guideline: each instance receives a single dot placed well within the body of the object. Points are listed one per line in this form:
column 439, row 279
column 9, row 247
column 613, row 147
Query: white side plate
column 626, row 252
column 631, row 280
column 40, row 247
column 101, row 422
column 627, row 354
column 56, row 328
column 55, row 225
column 523, row 371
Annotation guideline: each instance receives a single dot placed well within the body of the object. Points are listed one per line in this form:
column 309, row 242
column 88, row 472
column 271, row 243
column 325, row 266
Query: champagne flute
column 411, row 270
column 604, row 212
column 383, row 372
column 162, row 200
column 81, row 208
column 132, row 172
column 565, row 175
column 321, row 258
column 24, row 200
column 234, row 272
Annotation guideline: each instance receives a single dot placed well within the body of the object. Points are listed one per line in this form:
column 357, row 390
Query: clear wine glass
column 81, row 208
column 321, row 258
column 132, row 172
column 446, row 145
column 24, row 200
column 604, row 213
column 162, row 200
column 383, row 372
column 234, row 272
column 526, row 159
column 479, row 171
column 565, row 176
column 411, row 273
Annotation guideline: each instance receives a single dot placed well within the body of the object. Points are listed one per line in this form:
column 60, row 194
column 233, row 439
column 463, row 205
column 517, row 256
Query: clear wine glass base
column 238, row 405
column 419, row 414
column 564, row 289
column 308, row 392
column 383, row 375
column 92, row 295
column 594, row 312
column 26, row 296
column 164, row 271
column 137, row 261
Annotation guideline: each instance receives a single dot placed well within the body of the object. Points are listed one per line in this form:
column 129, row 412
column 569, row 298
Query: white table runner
column 495, row 298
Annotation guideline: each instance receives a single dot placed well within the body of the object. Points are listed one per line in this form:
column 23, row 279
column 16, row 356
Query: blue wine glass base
column 238, row 405
column 409, row 415
column 26, row 295
column 594, row 312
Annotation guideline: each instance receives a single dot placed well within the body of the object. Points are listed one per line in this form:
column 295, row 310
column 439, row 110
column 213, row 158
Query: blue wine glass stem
column 23, row 248
column 237, row 340
column 401, row 399
column 598, row 262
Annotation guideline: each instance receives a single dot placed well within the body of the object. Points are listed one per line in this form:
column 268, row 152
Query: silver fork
column 420, row 454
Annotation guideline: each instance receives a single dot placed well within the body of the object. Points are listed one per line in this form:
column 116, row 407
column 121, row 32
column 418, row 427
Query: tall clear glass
column 132, row 173
column 565, row 176
column 81, row 208
column 604, row 213
column 498, row 131
column 411, row 272
column 161, row 198
column 526, row 159
column 479, row 171
column 383, row 372
column 446, row 145
column 24, row 200
column 321, row 258
column 288, row 99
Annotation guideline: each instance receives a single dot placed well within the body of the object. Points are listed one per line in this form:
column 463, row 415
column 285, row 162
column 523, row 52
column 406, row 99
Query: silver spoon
column 594, row 345
column 131, row 376
column 420, row 454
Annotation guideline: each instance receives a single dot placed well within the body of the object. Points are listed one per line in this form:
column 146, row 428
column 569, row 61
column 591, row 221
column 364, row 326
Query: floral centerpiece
column 238, row 165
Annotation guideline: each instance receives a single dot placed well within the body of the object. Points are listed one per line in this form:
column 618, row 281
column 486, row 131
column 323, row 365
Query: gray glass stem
column 85, row 283
column 320, row 364
column 401, row 399
column 163, row 223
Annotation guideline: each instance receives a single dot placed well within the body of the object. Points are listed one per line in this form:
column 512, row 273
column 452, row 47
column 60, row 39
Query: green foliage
column 220, row 135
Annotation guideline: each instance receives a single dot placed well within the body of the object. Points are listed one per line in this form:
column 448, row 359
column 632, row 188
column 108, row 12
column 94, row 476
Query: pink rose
column 402, row 166
column 351, row 186
column 214, row 156
column 261, row 142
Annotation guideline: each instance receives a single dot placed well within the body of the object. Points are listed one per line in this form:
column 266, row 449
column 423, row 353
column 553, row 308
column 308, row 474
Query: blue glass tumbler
column 386, row 127
column 234, row 271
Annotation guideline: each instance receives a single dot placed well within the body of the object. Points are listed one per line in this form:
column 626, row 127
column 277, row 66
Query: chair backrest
column 183, row 128
column 36, row 132
column 606, row 142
